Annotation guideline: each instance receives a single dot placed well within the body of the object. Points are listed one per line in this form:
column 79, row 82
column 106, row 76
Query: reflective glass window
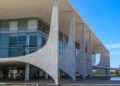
column 21, row 51
column 13, row 40
column 21, row 39
column 39, row 40
column 4, row 38
column 3, row 52
column 33, row 39
column 12, row 52
column 60, row 48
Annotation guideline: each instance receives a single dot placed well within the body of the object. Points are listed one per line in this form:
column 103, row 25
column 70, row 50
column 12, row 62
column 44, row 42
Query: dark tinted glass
column 33, row 39
column 12, row 52
column 4, row 38
column 21, row 40
column 43, row 40
column 21, row 51
column 12, row 40
column 3, row 52
column 39, row 40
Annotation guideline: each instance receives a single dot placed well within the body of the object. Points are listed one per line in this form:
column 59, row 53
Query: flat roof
column 11, row 9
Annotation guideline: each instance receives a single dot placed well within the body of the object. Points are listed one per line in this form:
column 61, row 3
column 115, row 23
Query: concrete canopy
column 11, row 9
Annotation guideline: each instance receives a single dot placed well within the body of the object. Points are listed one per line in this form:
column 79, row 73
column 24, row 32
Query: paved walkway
column 63, row 81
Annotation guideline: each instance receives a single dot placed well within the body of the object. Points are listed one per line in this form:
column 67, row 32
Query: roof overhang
column 11, row 9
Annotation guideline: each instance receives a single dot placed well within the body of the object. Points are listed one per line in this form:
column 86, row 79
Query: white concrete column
column 67, row 59
column 109, row 58
column 81, row 59
column 27, row 70
column 107, row 62
column 104, row 58
column 71, row 45
column 46, row 76
column 9, row 72
column 101, row 56
column 102, row 62
column 54, row 25
column 89, row 56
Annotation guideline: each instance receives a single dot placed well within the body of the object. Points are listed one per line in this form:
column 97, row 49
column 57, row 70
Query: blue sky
column 103, row 17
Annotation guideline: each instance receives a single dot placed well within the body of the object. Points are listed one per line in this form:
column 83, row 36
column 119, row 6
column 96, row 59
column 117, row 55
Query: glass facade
column 20, row 37
column 63, row 41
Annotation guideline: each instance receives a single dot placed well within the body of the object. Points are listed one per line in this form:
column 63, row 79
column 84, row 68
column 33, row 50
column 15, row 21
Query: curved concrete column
column 103, row 61
column 47, row 57
column 89, row 57
column 80, row 59
column 107, row 62
column 108, row 65
column 104, row 58
column 67, row 59
column 108, row 54
column 107, row 59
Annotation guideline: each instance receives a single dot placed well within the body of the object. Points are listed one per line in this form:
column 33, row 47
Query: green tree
column 116, row 72
column 95, row 73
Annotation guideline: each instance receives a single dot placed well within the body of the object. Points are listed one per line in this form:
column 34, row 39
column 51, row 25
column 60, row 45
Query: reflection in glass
column 33, row 40
column 4, row 52
column 12, row 40
column 12, row 52
column 39, row 40
column 21, row 51
column 21, row 40
column 4, row 38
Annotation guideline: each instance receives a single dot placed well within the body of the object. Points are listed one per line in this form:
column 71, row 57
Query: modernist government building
column 46, row 39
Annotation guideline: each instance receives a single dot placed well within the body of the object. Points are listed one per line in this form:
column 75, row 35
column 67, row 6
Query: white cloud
column 114, row 48
column 115, row 52
column 111, row 46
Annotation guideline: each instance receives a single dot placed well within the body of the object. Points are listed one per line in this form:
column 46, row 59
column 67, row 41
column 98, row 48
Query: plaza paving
column 63, row 82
